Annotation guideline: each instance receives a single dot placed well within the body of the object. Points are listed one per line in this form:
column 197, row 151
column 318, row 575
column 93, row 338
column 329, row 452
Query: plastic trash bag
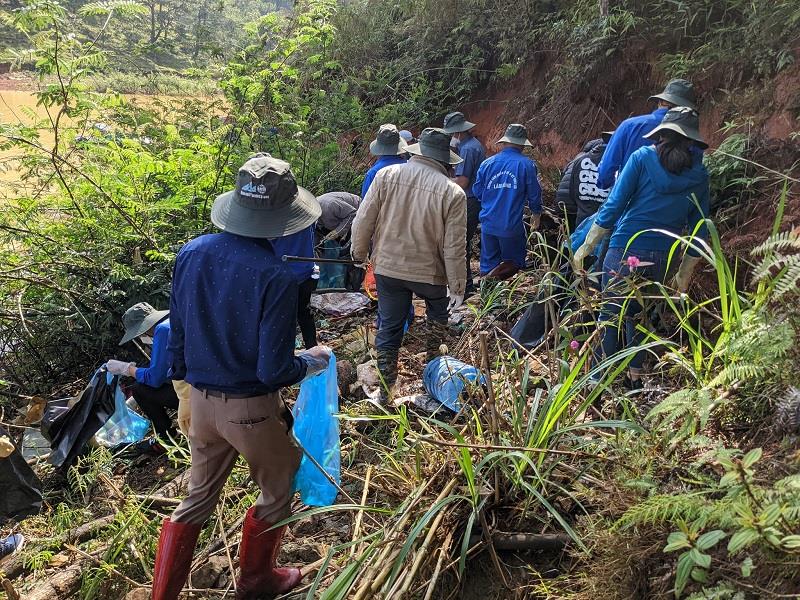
column 316, row 429
column 331, row 275
column 72, row 429
column 529, row 330
column 124, row 426
column 445, row 379
column 20, row 488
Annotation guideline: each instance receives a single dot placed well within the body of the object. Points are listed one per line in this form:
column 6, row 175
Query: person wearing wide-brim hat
column 390, row 149
column 412, row 226
column 629, row 136
column 505, row 184
column 472, row 154
column 152, row 389
column 232, row 318
column 661, row 195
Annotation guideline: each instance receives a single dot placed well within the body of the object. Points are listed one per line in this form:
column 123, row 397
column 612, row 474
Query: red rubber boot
column 258, row 555
column 173, row 558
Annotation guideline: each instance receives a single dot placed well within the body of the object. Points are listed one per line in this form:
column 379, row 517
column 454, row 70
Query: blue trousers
column 496, row 249
column 616, row 295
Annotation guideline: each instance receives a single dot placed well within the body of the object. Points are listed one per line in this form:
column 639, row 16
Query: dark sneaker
column 11, row 544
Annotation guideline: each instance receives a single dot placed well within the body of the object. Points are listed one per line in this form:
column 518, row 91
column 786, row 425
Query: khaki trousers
column 221, row 429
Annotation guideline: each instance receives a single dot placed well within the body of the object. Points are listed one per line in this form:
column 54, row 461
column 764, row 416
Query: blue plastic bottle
column 446, row 377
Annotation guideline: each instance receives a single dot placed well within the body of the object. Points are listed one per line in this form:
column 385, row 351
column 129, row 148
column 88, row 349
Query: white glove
column 681, row 280
column 456, row 300
column 117, row 367
column 317, row 359
column 596, row 233
column 183, row 390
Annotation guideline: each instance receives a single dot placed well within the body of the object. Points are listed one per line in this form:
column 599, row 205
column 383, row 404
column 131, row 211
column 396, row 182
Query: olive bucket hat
column 139, row 318
column 683, row 120
column 456, row 122
column 679, row 92
column 267, row 202
column 516, row 134
column 435, row 143
column 388, row 142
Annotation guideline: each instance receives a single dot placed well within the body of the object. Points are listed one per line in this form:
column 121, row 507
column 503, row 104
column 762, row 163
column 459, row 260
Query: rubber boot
column 258, row 554
column 173, row 558
column 435, row 336
column 387, row 367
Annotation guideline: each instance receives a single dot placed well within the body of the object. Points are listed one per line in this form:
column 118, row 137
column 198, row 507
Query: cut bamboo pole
column 359, row 517
column 445, row 548
column 490, row 401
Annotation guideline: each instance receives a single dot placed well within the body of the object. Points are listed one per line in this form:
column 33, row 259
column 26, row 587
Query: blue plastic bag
column 124, row 426
column 445, row 378
column 331, row 275
column 316, row 429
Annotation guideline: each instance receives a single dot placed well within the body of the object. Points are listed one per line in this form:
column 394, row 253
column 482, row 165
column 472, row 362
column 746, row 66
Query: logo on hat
column 252, row 190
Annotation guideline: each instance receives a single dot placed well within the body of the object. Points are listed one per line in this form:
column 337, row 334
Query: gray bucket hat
column 267, row 202
column 139, row 318
column 516, row 134
column 388, row 142
column 683, row 120
column 435, row 143
column 679, row 92
column 456, row 122
column 606, row 136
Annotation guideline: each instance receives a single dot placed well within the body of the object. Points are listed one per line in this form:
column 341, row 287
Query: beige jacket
column 416, row 218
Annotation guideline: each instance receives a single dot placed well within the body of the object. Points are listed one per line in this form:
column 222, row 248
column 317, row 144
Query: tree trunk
column 604, row 8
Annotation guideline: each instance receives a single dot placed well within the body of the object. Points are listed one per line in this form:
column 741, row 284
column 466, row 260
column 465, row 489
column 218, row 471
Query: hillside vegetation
column 690, row 491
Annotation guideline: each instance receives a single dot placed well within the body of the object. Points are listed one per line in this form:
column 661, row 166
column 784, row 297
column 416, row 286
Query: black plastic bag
column 529, row 331
column 53, row 410
column 70, row 431
column 20, row 488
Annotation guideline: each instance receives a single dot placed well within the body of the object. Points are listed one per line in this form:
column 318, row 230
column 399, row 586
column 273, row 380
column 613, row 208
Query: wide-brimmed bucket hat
column 267, row 202
column 388, row 142
column 683, row 120
column 456, row 122
column 138, row 320
column 516, row 134
column 435, row 143
column 679, row 92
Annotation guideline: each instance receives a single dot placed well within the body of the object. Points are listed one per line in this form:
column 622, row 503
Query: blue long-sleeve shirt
column 647, row 196
column 297, row 244
column 504, row 184
column 155, row 375
column 232, row 316
column 381, row 163
column 627, row 139
column 472, row 154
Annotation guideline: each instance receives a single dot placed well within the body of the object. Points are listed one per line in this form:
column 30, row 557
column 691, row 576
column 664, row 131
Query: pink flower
column 633, row 262
column 574, row 345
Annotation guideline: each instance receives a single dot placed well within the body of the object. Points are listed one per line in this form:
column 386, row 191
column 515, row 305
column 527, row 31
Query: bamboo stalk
column 360, row 515
column 438, row 569
column 409, row 576
column 366, row 590
column 490, row 401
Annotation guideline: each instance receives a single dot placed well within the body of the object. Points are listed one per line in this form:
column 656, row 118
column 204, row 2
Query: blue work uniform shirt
column 155, row 375
column 504, row 184
column 297, row 244
column 381, row 163
column 627, row 139
column 233, row 314
column 647, row 196
column 472, row 154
